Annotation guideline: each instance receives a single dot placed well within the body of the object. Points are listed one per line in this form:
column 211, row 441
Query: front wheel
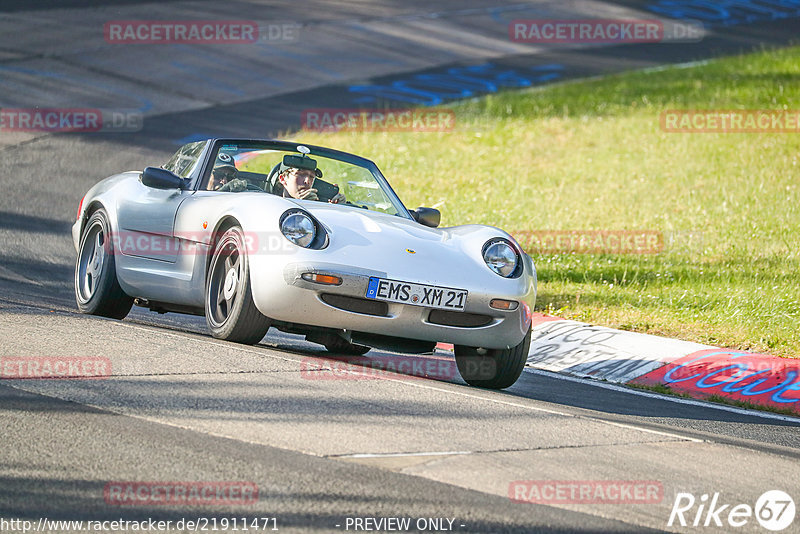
column 231, row 313
column 97, row 290
column 492, row 368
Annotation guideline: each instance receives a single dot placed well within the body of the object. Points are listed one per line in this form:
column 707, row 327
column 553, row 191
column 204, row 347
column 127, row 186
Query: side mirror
column 159, row 178
column 427, row 216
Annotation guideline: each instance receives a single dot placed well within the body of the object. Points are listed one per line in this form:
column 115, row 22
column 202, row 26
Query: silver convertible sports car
column 311, row 241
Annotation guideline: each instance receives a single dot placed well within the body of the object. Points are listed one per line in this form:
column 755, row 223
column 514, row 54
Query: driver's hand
column 238, row 185
column 309, row 194
column 234, row 185
column 338, row 199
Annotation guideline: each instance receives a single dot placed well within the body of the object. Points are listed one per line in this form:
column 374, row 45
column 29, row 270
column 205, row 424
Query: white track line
column 554, row 412
column 402, row 454
column 677, row 400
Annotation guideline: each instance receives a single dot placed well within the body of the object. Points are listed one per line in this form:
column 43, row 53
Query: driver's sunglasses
column 224, row 175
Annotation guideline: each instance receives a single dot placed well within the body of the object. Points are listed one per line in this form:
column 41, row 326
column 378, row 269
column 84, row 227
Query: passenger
column 298, row 180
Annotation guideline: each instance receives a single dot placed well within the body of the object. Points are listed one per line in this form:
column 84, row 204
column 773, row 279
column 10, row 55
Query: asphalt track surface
column 182, row 406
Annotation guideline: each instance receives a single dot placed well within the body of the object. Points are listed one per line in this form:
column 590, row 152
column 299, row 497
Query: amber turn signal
column 500, row 304
column 325, row 279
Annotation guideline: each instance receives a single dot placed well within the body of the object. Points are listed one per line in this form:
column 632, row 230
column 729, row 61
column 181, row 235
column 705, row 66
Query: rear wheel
column 492, row 368
column 97, row 290
column 231, row 313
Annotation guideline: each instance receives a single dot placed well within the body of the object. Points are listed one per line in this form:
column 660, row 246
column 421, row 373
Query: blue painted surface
column 776, row 386
column 727, row 12
column 434, row 88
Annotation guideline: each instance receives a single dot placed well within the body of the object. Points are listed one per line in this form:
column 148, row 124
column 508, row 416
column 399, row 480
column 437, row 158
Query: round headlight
column 299, row 229
column 501, row 258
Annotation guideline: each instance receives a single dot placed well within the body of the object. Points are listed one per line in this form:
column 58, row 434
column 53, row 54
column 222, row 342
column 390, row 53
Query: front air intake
column 460, row 319
column 356, row 305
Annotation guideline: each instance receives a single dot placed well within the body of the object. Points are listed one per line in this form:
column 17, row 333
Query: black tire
column 492, row 368
column 97, row 290
column 231, row 313
column 339, row 345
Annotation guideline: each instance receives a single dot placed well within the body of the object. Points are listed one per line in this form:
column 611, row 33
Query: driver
column 298, row 179
column 223, row 177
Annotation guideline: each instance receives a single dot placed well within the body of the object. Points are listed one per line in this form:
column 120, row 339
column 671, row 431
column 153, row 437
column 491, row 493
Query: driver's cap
column 224, row 160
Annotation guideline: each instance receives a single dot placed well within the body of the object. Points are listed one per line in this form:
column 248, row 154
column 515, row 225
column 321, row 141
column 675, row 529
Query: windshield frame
column 291, row 146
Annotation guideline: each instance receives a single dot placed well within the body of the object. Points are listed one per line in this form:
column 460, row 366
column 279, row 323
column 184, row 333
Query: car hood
column 398, row 245
column 395, row 246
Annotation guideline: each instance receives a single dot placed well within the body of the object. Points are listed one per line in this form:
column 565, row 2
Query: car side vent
column 461, row 319
column 356, row 305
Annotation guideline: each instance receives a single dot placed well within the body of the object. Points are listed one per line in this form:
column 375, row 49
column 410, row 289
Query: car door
column 146, row 218
column 151, row 259
column 146, row 215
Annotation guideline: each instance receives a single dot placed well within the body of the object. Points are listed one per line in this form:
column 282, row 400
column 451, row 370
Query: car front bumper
column 290, row 298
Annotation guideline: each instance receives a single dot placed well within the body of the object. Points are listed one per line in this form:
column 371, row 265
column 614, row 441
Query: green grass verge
column 659, row 388
column 590, row 155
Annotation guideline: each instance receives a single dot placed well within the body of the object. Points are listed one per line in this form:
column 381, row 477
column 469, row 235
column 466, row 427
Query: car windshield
column 362, row 186
column 184, row 160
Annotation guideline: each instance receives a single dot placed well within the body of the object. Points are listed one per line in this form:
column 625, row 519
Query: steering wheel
column 273, row 172
column 269, row 184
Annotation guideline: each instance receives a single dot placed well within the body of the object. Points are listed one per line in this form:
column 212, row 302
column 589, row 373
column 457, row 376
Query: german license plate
column 445, row 298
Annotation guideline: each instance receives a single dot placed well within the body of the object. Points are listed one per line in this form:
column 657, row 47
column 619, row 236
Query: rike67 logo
column 774, row 510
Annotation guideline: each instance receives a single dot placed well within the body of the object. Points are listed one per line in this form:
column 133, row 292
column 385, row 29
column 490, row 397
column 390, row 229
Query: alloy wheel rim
column 226, row 281
column 90, row 265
